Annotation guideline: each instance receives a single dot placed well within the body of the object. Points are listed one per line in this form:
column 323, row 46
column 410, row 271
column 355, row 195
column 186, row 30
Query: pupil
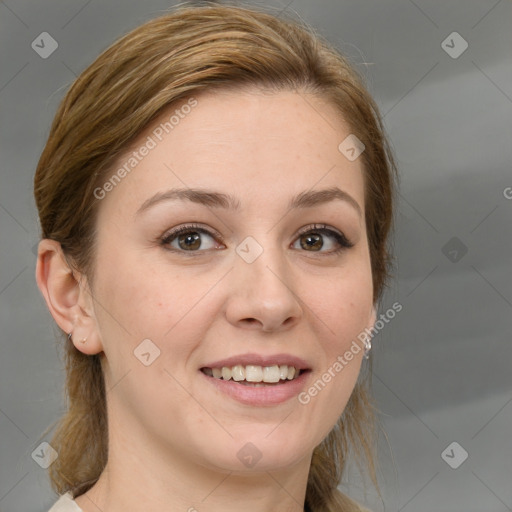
column 313, row 241
column 190, row 241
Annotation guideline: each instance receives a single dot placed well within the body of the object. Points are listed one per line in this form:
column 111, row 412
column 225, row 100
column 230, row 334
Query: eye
column 190, row 238
column 320, row 238
column 316, row 238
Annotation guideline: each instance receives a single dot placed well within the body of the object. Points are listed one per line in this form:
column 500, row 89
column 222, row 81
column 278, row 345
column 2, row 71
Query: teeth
column 271, row 374
column 238, row 373
column 253, row 373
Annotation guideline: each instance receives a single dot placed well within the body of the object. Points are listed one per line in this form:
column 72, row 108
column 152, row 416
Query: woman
column 215, row 198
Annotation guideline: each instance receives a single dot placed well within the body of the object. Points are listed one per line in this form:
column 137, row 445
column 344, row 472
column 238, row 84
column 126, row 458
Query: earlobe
column 68, row 300
column 373, row 317
column 367, row 339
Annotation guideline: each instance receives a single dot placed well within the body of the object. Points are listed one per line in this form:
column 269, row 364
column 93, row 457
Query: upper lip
column 260, row 360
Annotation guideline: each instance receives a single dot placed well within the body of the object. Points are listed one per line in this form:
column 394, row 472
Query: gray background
column 443, row 364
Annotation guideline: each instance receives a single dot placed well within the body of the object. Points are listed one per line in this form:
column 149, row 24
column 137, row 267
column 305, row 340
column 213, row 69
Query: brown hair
column 164, row 61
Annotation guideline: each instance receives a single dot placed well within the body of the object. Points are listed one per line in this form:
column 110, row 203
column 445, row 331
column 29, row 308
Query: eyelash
column 321, row 229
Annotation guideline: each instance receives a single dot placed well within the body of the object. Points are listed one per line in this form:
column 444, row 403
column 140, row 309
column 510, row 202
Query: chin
column 260, row 451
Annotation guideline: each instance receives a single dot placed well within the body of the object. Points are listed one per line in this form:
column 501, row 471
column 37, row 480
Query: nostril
column 250, row 321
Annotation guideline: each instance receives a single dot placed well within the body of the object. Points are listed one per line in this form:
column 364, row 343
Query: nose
column 261, row 294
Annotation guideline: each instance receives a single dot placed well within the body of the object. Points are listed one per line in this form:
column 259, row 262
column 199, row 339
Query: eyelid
column 346, row 243
column 171, row 235
column 190, row 227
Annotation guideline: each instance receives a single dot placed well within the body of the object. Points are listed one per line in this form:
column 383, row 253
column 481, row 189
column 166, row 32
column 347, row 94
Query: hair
column 156, row 65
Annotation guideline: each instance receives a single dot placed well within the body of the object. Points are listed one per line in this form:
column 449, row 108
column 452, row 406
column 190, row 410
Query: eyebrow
column 209, row 198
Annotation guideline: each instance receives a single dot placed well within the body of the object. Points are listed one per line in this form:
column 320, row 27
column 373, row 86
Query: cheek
column 172, row 310
column 343, row 305
column 143, row 302
column 342, row 312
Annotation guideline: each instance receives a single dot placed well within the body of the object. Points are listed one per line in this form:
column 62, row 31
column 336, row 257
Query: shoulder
column 65, row 503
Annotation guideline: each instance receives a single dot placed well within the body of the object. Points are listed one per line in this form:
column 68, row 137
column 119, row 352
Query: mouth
column 255, row 376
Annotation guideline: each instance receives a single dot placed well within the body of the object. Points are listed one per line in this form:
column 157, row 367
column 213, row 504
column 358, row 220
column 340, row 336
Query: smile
column 253, row 374
column 257, row 391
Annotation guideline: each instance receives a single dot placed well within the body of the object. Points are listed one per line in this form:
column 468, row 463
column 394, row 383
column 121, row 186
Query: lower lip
column 260, row 396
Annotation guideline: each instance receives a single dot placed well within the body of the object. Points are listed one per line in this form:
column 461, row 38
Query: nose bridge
column 263, row 290
column 264, row 263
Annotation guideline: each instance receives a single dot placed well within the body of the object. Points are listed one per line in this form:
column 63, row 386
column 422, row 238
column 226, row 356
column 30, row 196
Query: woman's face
column 249, row 277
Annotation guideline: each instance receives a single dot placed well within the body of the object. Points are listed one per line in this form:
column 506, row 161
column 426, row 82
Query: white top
column 66, row 503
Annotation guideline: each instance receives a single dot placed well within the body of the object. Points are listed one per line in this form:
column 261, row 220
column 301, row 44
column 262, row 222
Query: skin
column 173, row 436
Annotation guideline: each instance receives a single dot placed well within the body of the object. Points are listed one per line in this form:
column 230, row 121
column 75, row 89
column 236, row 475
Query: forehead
column 249, row 143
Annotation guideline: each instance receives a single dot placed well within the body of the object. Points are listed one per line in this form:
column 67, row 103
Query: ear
column 67, row 296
